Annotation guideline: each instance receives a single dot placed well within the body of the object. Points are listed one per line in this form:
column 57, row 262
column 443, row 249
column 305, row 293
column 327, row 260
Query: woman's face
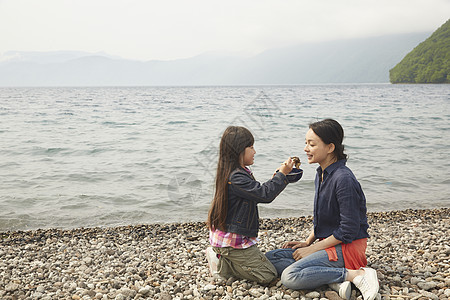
column 316, row 150
column 248, row 157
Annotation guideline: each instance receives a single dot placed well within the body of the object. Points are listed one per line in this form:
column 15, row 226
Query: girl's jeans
column 309, row 272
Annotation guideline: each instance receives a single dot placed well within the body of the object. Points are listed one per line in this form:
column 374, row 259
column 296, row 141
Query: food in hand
column 296, row 161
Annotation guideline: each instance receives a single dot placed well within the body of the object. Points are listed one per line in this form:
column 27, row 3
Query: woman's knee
column 271, row 255
column 279, row 254
column 292, row 278
column 288, row 278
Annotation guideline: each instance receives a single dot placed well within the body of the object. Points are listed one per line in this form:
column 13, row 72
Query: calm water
column 80, row 157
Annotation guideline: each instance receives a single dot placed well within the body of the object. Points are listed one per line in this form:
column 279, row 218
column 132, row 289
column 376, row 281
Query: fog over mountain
column 365, row 60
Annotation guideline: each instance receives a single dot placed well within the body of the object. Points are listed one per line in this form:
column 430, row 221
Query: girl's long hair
column 233, row 143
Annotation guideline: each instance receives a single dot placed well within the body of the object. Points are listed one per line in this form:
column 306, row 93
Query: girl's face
column 316, row 150
column 248, row 157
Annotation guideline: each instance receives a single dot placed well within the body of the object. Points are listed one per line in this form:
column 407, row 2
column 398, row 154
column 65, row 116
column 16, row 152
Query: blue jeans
column 309, row 272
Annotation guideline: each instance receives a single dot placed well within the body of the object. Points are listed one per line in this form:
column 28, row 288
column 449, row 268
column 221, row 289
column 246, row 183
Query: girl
column 233, row 219
column 340, row 224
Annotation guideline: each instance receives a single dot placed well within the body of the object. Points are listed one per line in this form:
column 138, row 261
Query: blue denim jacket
column 339, row 204
column 244, row 193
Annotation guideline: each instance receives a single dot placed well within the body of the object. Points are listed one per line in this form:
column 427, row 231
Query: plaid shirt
column 221, row 239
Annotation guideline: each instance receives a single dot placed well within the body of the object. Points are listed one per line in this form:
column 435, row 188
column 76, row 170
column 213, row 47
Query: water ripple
column 74, row 157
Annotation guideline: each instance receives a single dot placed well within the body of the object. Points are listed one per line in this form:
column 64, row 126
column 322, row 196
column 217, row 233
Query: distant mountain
column 47, row 57
column 429, row 62
column 365, row 60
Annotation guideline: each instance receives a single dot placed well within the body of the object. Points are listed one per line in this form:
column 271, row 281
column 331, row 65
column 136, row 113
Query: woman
column 340, row 224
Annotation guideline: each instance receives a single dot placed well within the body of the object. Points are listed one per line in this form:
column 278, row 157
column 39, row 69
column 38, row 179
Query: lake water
column 107, row 156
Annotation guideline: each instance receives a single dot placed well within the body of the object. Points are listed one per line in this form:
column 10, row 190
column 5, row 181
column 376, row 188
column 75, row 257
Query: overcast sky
column 172, row 29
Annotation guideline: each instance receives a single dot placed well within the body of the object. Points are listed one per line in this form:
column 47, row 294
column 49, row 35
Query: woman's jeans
column 309, row 272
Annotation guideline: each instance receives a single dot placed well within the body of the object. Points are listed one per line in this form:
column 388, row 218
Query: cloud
column 147, row 29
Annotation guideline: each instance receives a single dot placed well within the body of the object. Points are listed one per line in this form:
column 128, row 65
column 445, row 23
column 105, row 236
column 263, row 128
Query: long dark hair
column 233, row 143
column 330, row 131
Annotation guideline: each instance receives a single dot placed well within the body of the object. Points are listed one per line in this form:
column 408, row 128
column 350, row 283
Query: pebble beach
column 410, row 250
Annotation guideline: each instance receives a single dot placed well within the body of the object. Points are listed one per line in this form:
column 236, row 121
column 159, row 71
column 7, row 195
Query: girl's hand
column 287, row 166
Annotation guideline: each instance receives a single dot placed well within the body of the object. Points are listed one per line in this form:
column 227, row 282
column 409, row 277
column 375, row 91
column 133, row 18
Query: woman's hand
column 303, row 252
column 311, row 248
column 294, row 245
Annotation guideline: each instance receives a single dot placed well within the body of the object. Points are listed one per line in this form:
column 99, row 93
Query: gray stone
column 189, row 292
column 255, row 293
column 11, row 287
column 447, row 292
column 430, row 295
column 209, row 287
column 128, row 293
column 165, row 296
column 87, row 261
column 144, row 291
column 313, row 295
column 120, row 297
column 427, row 285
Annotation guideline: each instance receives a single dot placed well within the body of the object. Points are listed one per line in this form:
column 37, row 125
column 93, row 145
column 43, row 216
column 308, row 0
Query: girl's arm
column 248, row 188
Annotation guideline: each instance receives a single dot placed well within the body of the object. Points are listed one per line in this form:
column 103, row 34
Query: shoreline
column 410, row 249
column 4, row 232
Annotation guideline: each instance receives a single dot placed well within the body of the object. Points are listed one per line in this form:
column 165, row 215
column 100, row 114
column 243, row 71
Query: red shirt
column 354, row 254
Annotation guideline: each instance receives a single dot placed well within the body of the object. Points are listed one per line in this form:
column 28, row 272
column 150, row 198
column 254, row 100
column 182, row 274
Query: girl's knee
column 268, row 278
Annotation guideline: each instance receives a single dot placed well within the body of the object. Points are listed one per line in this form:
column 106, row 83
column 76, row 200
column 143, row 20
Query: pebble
column 313, row 295
column 209, row 287
column 430, row 295
column 332, row 295
column 414, row 280
column 144, row 291
column 427, row 285
column 447, row 293
column 11, row 287
column 409, row 249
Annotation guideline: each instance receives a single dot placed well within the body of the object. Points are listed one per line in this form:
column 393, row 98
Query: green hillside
column 429, row 62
